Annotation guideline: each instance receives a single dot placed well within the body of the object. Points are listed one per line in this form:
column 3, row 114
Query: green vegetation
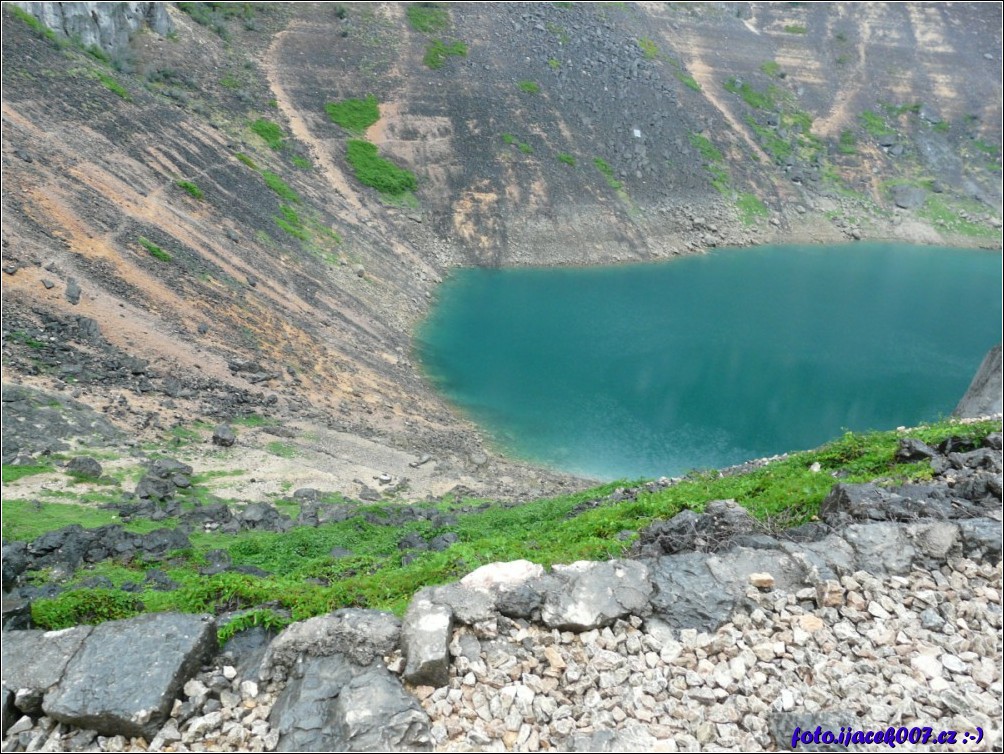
column 194, row 191
column 290, row 222
column 154, row 250
column 112, row 85
column 554, row 63
column 281, row 449
column 279, row 186
column 751, row 96
column 897, row 110
column 428, row 17
column 608, row 172
column 14, row 473
column 98, row 54
column 875, row 124
column 777, row 147
column 648, row 48
column 714, row 161
column 942, row 126
column 522, row 146
column 34, row 24
column 795, row 29
column 265, row 618
column 847, row 143
column 354, row 115
column 687, row 80
column 20, row 336
column 567, row 159
column 530, row 87
column 955, row 216
column 377, row 172
column 438, row 52
column 305, row 580
column 270, row 132
column 215, row 15
column 771, row 68
column 302, row 162
column 27, row 519
column 246, row 160
column 750, row 208
column 559, row 32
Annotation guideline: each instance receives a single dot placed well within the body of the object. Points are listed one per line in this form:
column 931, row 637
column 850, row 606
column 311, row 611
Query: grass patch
column 772, row 68
column 795, row 29
column 14, row 473
column 377, row 172
column 290, row 222
column 554, row 63
column 522, row 146
column 20, row 336
column 279, row 186
column 649, row 49
column 687, row 80
column 85, row 606
column 302, row 162
column 530, row 87
column 608, row 172
column 24, row 520
column 154, row 250
column 428, row 17
column 559, row 32
column 875, row 124
column 567, row 159
column 271, row 133
column 354, row 115
column 246, row 160
column 34, row 24
column 111, row 84
column 750, row 208
column 944, row 213
column 255, row 420
column 774, row 145
column 281, row 449
column 751, row 96
column 437, row 52
column 190, row 188
column 545, row 531
column 713, row 161
column 847, row 144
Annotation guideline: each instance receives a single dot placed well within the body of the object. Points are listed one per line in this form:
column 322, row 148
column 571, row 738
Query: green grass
column 648, row 48
column 847, row 143
column 875, row 124
column 943, row 212
column 26, row 519
column 522, row 146
column 14, row 473
column 354, row 115
column 559, row 32
column 193, row 191
column 428, row 17
column 281, row 449
column 112, row 85
column 795, row 29
column 271, row 133
column 279, row 186
column 554, row 63
column 530, row 87
column 254, row 420
column 750, row 208
column 786, row 492
column 290, row 222
column 34, row 24
column 20, row 336
column 608, row 173
column 773, row 144
column 751, row 96
column 437, row 52
column 509, row 139
column 374, row 171
column 567, row 159
column 687, row 80
column 772, row 68
column 154, row 250
column 713, row 161
column 246, row 160
column 302, row 162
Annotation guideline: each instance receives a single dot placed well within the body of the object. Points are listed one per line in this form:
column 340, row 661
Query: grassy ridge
column 305, row 580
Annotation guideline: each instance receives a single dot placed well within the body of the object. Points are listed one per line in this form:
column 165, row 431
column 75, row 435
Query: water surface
column 705, row 361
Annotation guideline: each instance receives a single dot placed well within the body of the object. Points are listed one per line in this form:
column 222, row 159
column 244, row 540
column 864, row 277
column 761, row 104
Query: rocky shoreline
column 717, row 636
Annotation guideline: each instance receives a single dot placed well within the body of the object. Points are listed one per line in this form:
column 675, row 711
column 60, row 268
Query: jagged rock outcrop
column 108, row 26
column 984, row 396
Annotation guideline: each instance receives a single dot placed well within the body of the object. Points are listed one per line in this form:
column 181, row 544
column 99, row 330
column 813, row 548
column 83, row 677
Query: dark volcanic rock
column 34, row 661
column 984, row 395
column 334, row 705
column 127, row 674
column 85, row 467
column 686, row 594
column 224, row 436
column 593, row 595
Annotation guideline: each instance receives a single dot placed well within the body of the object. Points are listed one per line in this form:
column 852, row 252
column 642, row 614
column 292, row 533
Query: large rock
column 984, row 394
column 331, row 704
column 425, row 639
column 721, row 522
column 84, row 466
column 687, row 595
column 34, row 661
column 127, row 674
column 734, row 568
column 981, row 539
column 880, row 549
column 592, row 595
column 224, row 436
column 106, row 25
column 363, row 635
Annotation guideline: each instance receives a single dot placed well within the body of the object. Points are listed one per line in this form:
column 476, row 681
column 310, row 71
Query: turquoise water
column 705, row 361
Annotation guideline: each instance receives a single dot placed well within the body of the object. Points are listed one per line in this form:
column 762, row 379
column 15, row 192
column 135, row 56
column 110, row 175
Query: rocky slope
column 146, row 264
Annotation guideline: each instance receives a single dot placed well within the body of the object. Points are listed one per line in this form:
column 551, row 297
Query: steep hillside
column 185, row 238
